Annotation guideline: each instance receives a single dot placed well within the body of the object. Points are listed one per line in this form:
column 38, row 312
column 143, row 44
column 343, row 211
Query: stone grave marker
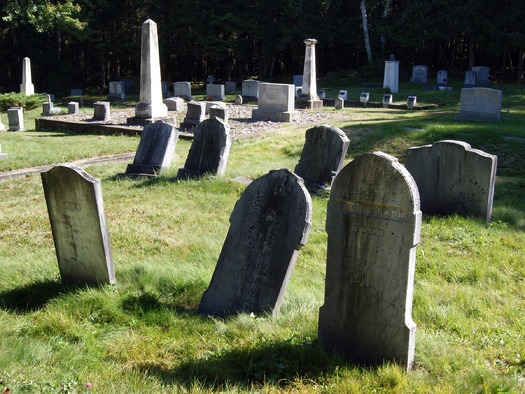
column 480, row 104
column 269, row 224
column 116, row 91
column 210, row 104
column 15, row 118
column 101, row 110
column 411, row 102
column 156, row 149
column 470, row 79
column 195, row 113
column 308, row 97
column 387, row 100
column 209, row 150
column 419, row 74
column 363, row 98
column 175, row 104
column 47, row 108
column 343, row 94
column 391, row 75
column 183, row 90
column 78, row 222
column 26, row 87
column 250, row 88
column 339, row 103
column 373, row 224
column 322, row 157
column 72, row 108
column 230, row 86
column 453, row 178
column 442, row 78
column 276, row 103
column 218, row 111
column 482, row 75
column 216, row 92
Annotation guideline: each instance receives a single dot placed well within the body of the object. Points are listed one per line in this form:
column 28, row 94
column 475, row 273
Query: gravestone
column 47, row 108
column 101, row 110
column 419, row 74
column 75, row 92
column 156, row 149
column 387, row 100
column 151, row 106
column 442, row 78
column 298, row 91
column 276, row 103
column 209, row 150
column 343, row 94
column 339, row 103
column 238, row 99
column 322, row 157
column 470, row 79
column 391, row 75
column 321, row 93
column 453, row 178
column 364, row 97
column 78, row 222
column 116, row 90
column 308, row 97
column 195, row 113
column 15, row 118
column 250, row 88
column 373, row 224
column 26, row 87
column 482, row 75
column 216, row 92
column 72, row 108
column 183, row 90
column 175, row 104
column 298, row 80
column 411, row 102
column 269, row 224
column 218, row 111
column 480, row 104
column 230, row 86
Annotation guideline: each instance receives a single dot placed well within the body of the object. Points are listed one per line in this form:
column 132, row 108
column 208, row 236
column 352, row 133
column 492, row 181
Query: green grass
column 144, row 334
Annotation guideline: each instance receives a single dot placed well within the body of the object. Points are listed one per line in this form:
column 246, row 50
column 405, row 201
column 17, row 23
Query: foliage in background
column 8, row 100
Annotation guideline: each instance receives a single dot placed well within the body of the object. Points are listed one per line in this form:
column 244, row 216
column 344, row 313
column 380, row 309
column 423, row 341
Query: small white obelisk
column 309, row 97
column 151, row 103
column 26, row 87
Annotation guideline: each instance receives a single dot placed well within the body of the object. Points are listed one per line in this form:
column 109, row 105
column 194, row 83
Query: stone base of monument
column 274, row 116
column 185, row 174
column 138, row 121
column 134, row 170
column 307, row 103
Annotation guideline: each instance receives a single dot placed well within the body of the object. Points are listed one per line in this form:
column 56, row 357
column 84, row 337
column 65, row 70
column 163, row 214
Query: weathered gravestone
column 182, row 90
column 250, row 88
column 453, row 178
column 72, row 108
column 442, row 78
column 482, row 75
column 156, row 149
column 76, row 212
column 276, row 103
column 470, row 79
column 268, row 226
column 387, row 100
column 373, row 224
column 218, row 111
column 480, row 104
column 15, row 118
column 101, row 110
column 419, row 74
column 216, row 92
column 230, row 86
column 116, row 90
column 209, row 150
column 308, row 97
column 411, row 102
column 364, row 97
column 175, row 104
column 322, row 156
column 195, row 114
column 391, row 75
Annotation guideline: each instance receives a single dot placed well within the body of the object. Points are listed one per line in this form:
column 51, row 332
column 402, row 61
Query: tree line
column 86, row 43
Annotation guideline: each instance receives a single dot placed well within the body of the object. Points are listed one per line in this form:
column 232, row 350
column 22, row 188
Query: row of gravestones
column 373, row 225
column 476, row 76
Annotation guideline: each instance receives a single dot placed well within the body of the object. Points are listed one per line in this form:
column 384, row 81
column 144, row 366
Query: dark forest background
column 86, row 43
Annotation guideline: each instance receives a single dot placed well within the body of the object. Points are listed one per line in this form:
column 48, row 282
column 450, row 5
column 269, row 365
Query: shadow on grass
column 34, row 296
column 275, row 363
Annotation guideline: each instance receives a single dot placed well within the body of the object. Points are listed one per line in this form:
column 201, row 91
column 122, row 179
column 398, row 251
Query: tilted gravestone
column 195, row 113
column 322, row 156
column 209, row 150
column 175, row 104
column 480, row 104
column 373, row 224
column 80, row 233
column 156, row 149
column 217, row 111
column 268, row 226
column 453, row 178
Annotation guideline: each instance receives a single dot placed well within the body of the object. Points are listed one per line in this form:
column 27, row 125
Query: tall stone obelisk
column 309, row 97
column 27, row 87
column 151, row 105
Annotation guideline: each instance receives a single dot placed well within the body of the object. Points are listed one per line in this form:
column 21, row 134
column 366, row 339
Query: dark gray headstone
column 230, row 86
column 268, row 226
column 76, row 212
column 442, row 78
column 482, row 75
column 101, row 110
column 116, row 91
column 453, row 178
column 195, row 114
column 419, row 74
column 156, row 149
column 209, row 150
column 480, row 104
column 373, row 225
column 322, row 156
column 183, row 90
column 72, row 108
column 218, row 111
column 470, row 79
column 15, row 118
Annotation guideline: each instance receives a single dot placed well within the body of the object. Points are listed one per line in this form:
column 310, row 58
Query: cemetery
column 234, row 235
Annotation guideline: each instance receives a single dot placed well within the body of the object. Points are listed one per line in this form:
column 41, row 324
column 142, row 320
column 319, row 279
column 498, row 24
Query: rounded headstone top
column 310, row 41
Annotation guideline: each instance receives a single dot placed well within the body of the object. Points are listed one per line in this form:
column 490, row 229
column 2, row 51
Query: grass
column 144, row 334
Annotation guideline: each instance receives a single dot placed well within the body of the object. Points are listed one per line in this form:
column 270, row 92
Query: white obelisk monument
column 309, row 97
column 26, row 87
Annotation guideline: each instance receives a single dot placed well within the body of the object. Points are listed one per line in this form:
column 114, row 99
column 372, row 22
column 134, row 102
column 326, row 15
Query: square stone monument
column 480, row 104
column 482, row 75
column 116, row 91
column 250, row 89
column 373, row 223
column 269, row 224
column 216, row 92
column 419, row 74
column 156, row 149
column 15, row 118
column 276, row 103
column 453, row 178
column 391, row 75
column 78, row 223
column 182, row 90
